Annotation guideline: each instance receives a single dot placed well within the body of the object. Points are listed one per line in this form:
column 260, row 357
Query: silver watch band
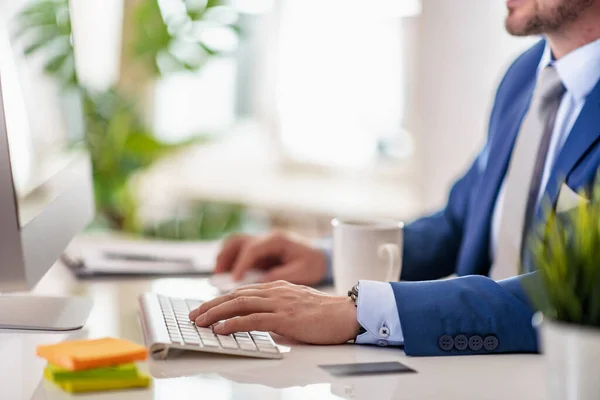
column 353, row 294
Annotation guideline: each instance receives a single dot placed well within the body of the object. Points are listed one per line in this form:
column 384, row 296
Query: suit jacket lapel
column 585, row 133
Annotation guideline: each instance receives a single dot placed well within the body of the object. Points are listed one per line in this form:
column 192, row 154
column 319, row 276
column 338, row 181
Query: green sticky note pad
column 58, row 374
column 98, row 385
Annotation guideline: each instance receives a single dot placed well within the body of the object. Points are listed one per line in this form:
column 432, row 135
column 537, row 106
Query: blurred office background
column 252, row 114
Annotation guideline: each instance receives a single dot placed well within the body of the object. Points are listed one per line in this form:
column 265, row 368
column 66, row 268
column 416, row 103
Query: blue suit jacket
column 456, row 239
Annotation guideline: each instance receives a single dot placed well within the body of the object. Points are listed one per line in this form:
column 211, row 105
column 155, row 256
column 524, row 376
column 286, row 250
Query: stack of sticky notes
column 94, row 365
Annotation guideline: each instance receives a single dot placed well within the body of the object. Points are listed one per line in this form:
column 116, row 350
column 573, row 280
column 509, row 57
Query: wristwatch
column 353, row 294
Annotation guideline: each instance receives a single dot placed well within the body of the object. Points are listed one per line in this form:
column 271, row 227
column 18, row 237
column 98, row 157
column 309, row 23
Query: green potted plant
column 566, row 253
column 120, row 142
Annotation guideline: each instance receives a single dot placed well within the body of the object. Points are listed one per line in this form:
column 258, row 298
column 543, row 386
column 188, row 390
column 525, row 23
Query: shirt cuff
column 378, row 315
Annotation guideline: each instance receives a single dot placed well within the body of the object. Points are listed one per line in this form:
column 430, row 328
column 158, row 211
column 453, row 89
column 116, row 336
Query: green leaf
column 145, row 148
column 196, row 15
column 56, row 63
column 208, row 50
column 35, row 46
column 214, row 3
column 237, row 29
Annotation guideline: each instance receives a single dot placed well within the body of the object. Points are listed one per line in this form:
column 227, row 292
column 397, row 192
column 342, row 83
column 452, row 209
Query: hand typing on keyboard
column 298, row 312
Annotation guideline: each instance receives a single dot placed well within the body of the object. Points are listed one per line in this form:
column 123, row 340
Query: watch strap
column 353, row 294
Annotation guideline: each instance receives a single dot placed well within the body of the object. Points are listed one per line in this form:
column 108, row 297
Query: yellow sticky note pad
column 97, row 385
column 124, row 371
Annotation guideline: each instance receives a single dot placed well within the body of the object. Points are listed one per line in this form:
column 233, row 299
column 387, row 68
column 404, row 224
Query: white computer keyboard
column 166, row 324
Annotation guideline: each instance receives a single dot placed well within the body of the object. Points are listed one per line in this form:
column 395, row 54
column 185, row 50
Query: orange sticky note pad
column 87, row 354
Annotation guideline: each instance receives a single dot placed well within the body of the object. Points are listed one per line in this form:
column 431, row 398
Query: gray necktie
column 524, row 176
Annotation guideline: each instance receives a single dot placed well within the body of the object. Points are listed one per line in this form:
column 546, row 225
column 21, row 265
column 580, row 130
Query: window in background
column 202, row 101
column 340, row 78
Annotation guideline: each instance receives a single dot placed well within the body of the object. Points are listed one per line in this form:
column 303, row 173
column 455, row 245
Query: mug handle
column 392, row 252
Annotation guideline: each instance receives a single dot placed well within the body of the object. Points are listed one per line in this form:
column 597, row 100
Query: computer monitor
column 46, row 190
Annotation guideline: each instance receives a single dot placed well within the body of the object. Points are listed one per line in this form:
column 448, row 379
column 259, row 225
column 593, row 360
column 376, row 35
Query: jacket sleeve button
column 475, row 343
column 461, row 342
column 446, row 342
column 490, row 343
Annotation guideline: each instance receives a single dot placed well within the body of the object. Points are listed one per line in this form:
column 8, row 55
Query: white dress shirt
column 579, row 71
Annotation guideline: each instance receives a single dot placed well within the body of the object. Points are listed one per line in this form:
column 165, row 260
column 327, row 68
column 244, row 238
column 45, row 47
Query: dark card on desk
column 358, row 369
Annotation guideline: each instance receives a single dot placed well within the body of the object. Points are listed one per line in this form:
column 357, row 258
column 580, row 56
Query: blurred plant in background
column 119, row 141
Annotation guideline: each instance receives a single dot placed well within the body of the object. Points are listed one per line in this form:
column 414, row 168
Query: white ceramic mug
column 370, row 250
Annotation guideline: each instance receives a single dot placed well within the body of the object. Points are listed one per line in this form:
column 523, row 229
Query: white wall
column 462, row 51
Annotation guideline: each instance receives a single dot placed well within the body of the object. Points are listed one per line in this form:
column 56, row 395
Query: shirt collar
column 579, row 70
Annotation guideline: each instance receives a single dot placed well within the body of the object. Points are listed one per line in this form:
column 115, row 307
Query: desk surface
column 297, row 376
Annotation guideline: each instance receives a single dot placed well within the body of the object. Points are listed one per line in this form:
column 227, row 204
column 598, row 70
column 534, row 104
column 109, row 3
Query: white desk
column 296, row 377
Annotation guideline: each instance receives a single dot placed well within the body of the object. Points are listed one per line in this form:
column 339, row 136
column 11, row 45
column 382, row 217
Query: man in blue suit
column 543, row 142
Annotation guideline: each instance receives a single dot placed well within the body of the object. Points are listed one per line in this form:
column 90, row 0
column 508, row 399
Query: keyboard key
column 263, row 347
column 190, row 334
column 241, row 335
column 176, row 339
column 230, row 345
column 259, row 334
column 181, row 313
column 247, row 346
column 262, row 343
column 210, row 343
column 194, row 341
column 226, row 339
column 269, row 350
